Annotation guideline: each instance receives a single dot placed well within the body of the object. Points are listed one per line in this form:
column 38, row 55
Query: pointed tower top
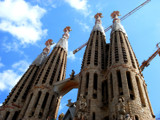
column 42, row 57
column 98, row 23
column 116, row 23
column 63, row 42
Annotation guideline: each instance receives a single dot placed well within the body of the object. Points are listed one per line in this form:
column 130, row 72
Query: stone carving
column 70, row 104
column 61, row 116
column 72, row 75
column 82, row 113
column 121, row 110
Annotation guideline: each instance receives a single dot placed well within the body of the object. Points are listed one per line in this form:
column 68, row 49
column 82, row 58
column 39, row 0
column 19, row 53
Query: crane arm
column 124, row 17
column 130, row 13
column 146, row 63
column 76, row 50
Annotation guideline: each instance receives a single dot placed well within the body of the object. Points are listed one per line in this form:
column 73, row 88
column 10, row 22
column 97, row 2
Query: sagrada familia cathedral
column 110, row 83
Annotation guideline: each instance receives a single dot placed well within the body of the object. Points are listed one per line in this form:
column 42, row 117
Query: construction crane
column 147, row 62
column 123, row 18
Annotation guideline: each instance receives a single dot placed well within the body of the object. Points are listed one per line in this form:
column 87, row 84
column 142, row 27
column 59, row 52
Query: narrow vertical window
column 130, row 85
column 95, row 80
column 7, row 114
column 105, row 92
column 116, row 49
column 27, row 104
column 93, row 116
column 111, row 85
column 51, row 102
column 87, row 80
column 136, row 117
column 140, row 92
column 119, row 82
column 87, row 83
column 39, row 95
column 45, row 100
column 15, row 115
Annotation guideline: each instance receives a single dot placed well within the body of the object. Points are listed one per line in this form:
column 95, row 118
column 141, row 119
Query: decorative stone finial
column 41, row 58
column 121, row 108
column 116, row 23
column 98, row 23
column 63, row 42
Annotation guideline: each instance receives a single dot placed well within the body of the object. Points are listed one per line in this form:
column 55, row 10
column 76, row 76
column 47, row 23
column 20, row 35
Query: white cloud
column 0, row 104
column 83, row 25
column 80, row 5
column 71, row 55
column 8, row 78
column 22, row 20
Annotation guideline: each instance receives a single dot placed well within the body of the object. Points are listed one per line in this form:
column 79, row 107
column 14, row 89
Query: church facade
column 110, row 83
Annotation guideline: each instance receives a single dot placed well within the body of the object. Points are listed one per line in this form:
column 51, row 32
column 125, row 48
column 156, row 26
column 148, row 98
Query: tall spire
column 116, row 23
column 42, row 57
column 98, row 23
column 63, row 42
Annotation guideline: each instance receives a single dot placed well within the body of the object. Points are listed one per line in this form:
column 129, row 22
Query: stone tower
column 33, row 97
column 16, row 99
column 127, row 92
column 42, row 102
column 111, row 85
column 91, row 76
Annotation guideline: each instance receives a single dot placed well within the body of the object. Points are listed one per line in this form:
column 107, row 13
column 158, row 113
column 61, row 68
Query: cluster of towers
column 110, row 83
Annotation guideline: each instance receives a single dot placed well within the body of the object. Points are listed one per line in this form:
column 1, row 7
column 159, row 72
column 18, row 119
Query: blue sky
column 26, row 25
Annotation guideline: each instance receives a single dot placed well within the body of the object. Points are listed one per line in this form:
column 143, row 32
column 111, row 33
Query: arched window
column 95, row 82
column 93, row 116
column 136, row 117
column 130, row 85
column 87, row 80
column 105, row 92
column 38, row 98
column 119, row 82
column 15, row 115
column 7, row 114
column 111, row 86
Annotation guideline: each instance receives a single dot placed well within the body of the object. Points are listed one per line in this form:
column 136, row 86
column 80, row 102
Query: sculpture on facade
column 72, row 75
column 121, row 110
column 82, row 113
